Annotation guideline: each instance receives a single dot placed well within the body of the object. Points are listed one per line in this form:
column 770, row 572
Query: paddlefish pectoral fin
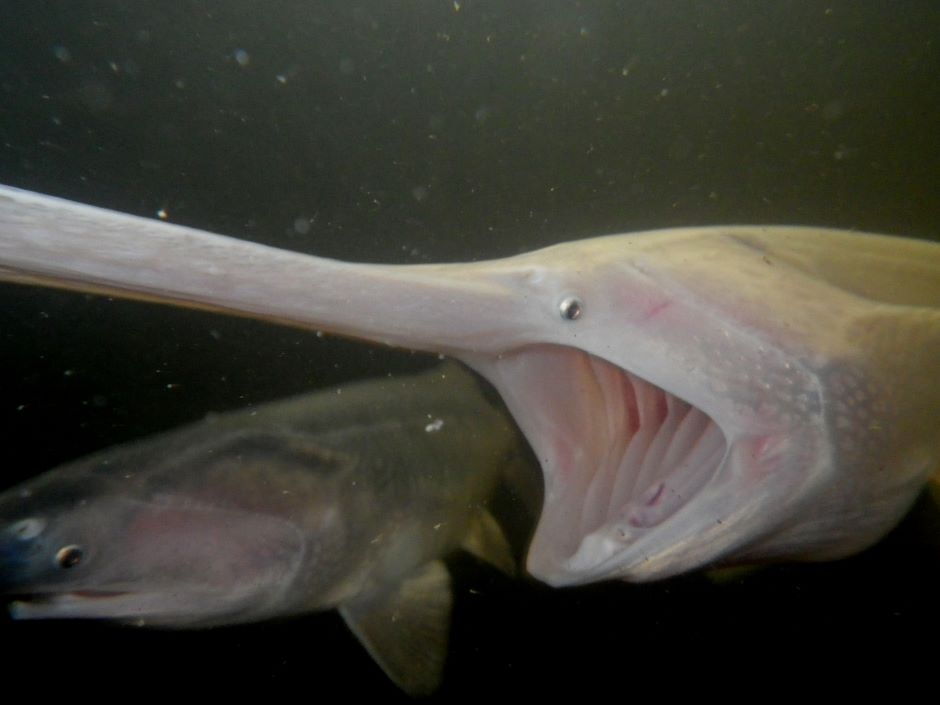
column 405, row 630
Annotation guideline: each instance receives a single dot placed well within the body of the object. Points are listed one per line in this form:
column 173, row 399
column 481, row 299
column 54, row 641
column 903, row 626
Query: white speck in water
column 21, row 407
column 434, row 426
column 68, row 373
column 301, row 225
column 242, row 57
column 843, row 152
column 281, row 78
column 438, row 526
column 180, row 83
column 162, row 214
column 62, row 53
column 419, row 193
column 481, row 114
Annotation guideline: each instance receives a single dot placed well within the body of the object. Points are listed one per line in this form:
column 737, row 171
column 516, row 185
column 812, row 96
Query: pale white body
column 695, row 396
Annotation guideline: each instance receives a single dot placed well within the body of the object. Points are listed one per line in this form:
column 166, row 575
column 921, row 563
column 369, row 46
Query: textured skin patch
column 858, row 413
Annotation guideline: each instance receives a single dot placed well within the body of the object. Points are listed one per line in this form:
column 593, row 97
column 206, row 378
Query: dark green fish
column 345, row 498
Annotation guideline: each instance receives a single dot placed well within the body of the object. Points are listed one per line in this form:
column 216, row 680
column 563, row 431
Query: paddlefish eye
column 571, row 308
column 69, row 556
column 26, row 529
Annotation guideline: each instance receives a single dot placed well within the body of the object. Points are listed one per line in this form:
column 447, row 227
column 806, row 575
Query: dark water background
column 431, row 131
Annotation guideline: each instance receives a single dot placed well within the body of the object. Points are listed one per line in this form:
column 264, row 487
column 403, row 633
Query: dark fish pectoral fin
column 486, row 541
column 405, row 630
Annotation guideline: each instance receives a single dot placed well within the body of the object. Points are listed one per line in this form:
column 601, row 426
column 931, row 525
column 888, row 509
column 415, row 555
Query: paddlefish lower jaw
column 639, row 483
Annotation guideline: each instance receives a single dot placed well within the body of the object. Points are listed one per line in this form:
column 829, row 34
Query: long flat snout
column 54, row 242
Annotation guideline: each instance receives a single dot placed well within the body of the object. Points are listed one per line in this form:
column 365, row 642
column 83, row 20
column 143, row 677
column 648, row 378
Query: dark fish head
column 76, row 547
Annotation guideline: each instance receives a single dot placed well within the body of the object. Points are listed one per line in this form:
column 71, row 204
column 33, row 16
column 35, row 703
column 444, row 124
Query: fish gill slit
column 620, row 423
column 657, row 463
column 646, row 396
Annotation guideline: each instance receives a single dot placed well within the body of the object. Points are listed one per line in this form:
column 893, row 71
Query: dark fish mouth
column 51, row 596
column 75, row 604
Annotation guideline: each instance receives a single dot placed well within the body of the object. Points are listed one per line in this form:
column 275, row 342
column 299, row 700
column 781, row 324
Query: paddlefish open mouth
column 621, row 455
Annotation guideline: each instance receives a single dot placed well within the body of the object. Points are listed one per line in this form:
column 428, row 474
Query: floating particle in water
column 419, row 193
column 62, row 53
column 347, row 66
column 482, row 114
column 301, row 225
column 842, row 152
column 241, row 57
column 162, row 214
column 434, row 426
column 281, row 78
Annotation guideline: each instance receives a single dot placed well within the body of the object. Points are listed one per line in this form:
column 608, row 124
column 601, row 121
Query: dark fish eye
column 69, row 556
